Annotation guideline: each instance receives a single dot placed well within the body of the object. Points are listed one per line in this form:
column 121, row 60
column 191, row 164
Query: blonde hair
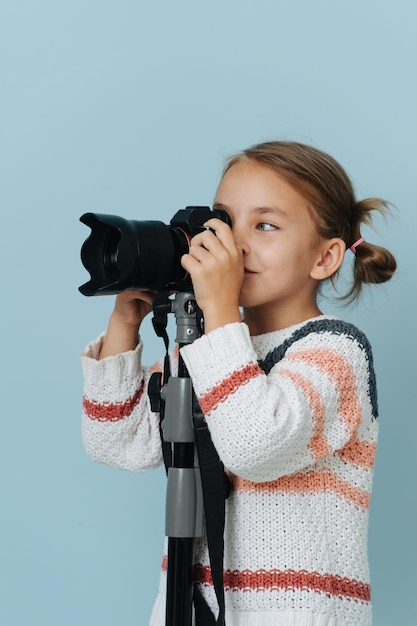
column 331, row 198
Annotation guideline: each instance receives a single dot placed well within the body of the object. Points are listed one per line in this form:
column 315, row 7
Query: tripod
column 184, row 518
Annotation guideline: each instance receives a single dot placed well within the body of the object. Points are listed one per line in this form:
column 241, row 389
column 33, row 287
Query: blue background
column 131, row 107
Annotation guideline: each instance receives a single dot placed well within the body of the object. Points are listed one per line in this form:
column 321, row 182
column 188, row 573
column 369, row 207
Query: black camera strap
column 216, row 489
column 159, row 323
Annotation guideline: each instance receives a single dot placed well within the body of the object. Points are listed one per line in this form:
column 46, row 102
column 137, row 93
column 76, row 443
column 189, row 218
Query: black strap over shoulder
column 277, row 354
column 333, row 326
column 216, row 489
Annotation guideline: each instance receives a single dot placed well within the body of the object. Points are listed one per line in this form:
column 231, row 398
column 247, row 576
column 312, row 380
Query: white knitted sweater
column 292, row 414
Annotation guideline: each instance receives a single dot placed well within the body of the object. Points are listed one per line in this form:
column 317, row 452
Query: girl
column 288, row 393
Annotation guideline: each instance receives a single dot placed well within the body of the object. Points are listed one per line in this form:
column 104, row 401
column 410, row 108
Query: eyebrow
column 261, row 210
column 270, row 210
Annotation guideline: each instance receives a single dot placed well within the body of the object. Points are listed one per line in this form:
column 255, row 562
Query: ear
column 329, row 258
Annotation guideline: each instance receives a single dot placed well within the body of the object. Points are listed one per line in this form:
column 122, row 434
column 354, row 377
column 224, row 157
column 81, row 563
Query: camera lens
column 110, row 250
column 125, row 254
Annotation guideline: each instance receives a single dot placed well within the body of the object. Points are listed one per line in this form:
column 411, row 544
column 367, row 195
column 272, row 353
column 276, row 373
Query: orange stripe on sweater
column 318, row 444
column 312, row 482
column 112, row 412
column 359, row 453
column 340, row 370
column 210, row 400
column 288, row 580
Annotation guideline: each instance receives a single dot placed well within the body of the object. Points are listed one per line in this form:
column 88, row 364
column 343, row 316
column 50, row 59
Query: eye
column 266, row 226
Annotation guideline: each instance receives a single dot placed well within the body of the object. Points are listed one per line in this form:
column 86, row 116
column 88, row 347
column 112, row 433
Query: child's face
column 272, row 223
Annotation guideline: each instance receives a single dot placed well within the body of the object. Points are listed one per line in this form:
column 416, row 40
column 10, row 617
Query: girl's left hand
column 215, row 264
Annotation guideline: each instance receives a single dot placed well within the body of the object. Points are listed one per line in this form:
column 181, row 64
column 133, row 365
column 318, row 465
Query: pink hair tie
column 356, row 244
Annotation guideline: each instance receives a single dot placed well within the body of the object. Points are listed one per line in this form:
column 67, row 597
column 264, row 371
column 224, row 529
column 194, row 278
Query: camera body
column 125, row 254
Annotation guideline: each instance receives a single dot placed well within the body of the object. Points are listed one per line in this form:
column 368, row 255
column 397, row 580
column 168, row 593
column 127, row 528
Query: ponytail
column 372, row 264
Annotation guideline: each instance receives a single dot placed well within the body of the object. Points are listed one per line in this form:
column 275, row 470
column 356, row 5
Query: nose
column 241, row 238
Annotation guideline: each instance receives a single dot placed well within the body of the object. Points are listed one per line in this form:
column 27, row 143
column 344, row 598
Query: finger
column 200, row 253
column 131, row 295
column 217, row 225
column 221, row 230
column 148, row 297
column 190, row 263
column 207, row 240
column 216, row 230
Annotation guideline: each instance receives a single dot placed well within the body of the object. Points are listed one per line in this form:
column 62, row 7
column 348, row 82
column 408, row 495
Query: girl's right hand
column 122, row 332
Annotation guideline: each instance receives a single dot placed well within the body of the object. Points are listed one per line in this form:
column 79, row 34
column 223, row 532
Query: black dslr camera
column 123, row 254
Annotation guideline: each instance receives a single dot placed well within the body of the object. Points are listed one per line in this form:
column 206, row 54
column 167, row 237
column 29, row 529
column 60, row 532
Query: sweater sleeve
column 118, row 426
column 312, row 403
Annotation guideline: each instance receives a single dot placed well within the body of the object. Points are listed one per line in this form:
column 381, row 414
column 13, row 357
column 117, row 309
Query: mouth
column 248, row 272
